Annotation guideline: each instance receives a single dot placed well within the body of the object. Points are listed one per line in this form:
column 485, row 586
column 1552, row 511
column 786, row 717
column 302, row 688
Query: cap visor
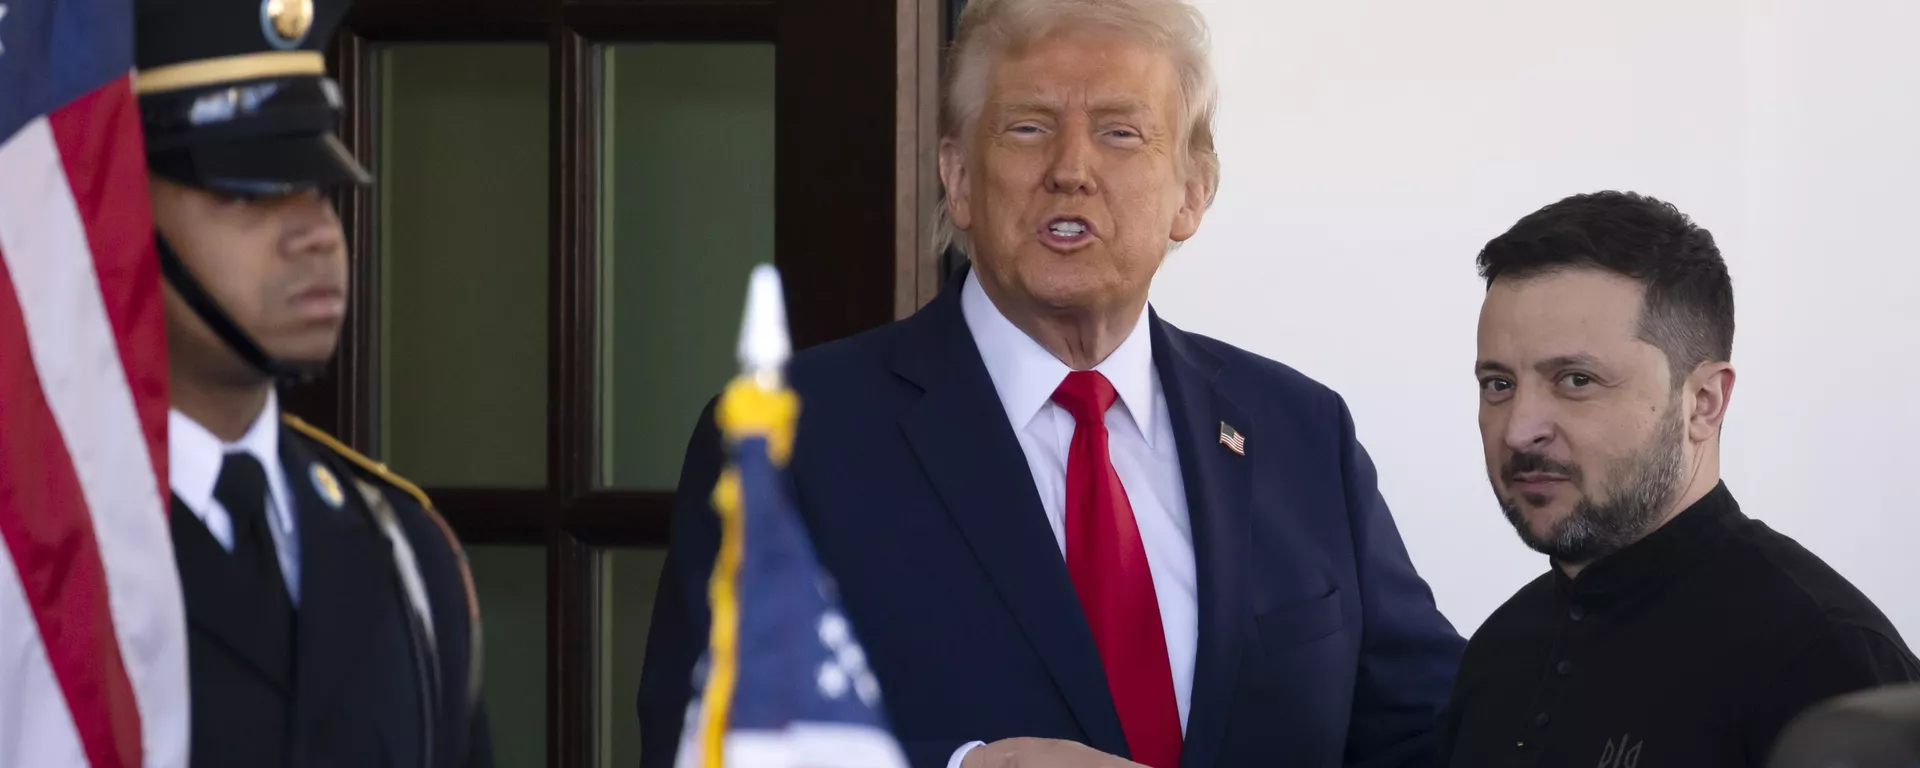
column 274, row 164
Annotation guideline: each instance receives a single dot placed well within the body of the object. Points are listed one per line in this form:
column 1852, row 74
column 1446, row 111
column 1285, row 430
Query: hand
column 1042, row 753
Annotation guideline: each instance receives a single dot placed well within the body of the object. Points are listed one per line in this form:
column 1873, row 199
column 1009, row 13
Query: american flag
column 93, row 659
column 1232, row 439
column 785, row 683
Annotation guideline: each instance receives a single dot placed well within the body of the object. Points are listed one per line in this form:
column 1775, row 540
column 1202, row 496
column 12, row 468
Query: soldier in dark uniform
column 331, row 617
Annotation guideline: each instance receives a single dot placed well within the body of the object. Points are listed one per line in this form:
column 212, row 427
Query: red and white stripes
column 92, row 626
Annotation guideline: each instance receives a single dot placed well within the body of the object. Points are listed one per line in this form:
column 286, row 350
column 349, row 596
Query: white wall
column 1371, row 148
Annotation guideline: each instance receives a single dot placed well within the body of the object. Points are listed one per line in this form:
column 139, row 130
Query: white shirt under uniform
column 194, row 456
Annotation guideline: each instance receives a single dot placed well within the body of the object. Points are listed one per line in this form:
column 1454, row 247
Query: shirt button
column 1541, row 719
column 1565, row 667
column 1577, row 613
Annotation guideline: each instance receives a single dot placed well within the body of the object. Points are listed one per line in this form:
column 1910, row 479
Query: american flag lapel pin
column 1232, row 439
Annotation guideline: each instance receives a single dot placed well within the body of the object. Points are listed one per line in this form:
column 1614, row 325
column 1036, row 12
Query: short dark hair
column 1688, row 309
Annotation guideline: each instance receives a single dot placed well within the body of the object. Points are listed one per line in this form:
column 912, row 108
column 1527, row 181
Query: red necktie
column 1110, row 573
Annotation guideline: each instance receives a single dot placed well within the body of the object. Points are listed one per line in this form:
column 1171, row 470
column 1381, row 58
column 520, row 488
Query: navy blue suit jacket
column 1319, row 645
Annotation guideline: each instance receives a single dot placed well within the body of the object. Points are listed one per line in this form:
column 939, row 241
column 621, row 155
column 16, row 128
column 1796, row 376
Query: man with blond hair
column 1067, row 532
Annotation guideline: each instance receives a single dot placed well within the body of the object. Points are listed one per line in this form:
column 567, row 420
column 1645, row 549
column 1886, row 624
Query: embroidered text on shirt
column 1624, row 754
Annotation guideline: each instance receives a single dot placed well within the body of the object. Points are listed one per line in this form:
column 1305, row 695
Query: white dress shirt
column 1140, row 443
column 194, row 456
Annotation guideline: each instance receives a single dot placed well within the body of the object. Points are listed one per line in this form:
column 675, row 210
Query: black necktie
column 242, row 489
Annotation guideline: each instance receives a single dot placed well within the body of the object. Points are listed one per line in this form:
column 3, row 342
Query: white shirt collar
column 194, row 456
column 1025, row 374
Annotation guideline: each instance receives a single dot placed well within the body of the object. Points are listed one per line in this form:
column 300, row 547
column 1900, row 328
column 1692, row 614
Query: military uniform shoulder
column 420, row 534
column 363, row 467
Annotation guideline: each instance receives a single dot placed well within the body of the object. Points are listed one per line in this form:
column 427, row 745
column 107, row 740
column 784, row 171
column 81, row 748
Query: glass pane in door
column 512, row 584
column 629, row 578
column 686, row 153
column 462, row 244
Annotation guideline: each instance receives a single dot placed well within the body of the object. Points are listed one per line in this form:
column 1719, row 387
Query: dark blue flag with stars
column 785, row 683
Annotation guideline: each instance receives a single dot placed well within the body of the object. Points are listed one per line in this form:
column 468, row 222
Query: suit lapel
column 960, row 434
column 1219, row 485
column 216, row 602
column 345, row 572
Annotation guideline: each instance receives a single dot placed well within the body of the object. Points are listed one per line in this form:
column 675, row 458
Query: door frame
column 855, row 150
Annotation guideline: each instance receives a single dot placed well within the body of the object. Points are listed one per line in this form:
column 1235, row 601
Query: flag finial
column 764, row 346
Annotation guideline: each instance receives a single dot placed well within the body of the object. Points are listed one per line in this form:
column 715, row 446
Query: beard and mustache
column 1644, row 485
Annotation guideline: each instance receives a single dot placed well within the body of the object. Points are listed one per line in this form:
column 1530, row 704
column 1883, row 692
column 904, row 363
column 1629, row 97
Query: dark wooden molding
column 530, row 20
column 604, row 518
column 834, row 166
column 621, row 518
column 573, row 259
column 449, row 20
column 747, row 20
column 570, row 659
column 409, row 30
column 573, row 263
column 344, row 401
column 495, row 515
column 916, row 142
column 359, row 393
column 948, row 261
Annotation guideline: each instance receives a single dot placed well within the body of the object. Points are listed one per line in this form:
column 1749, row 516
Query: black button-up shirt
column 1692, row 647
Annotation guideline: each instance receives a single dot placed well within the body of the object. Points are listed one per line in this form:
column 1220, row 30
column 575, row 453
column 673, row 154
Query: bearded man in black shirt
column 1672, row 630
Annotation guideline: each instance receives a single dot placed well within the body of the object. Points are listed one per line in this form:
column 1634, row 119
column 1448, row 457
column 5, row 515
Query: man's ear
column 1708, row 392
column 953, row 177
column 1193, row 206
